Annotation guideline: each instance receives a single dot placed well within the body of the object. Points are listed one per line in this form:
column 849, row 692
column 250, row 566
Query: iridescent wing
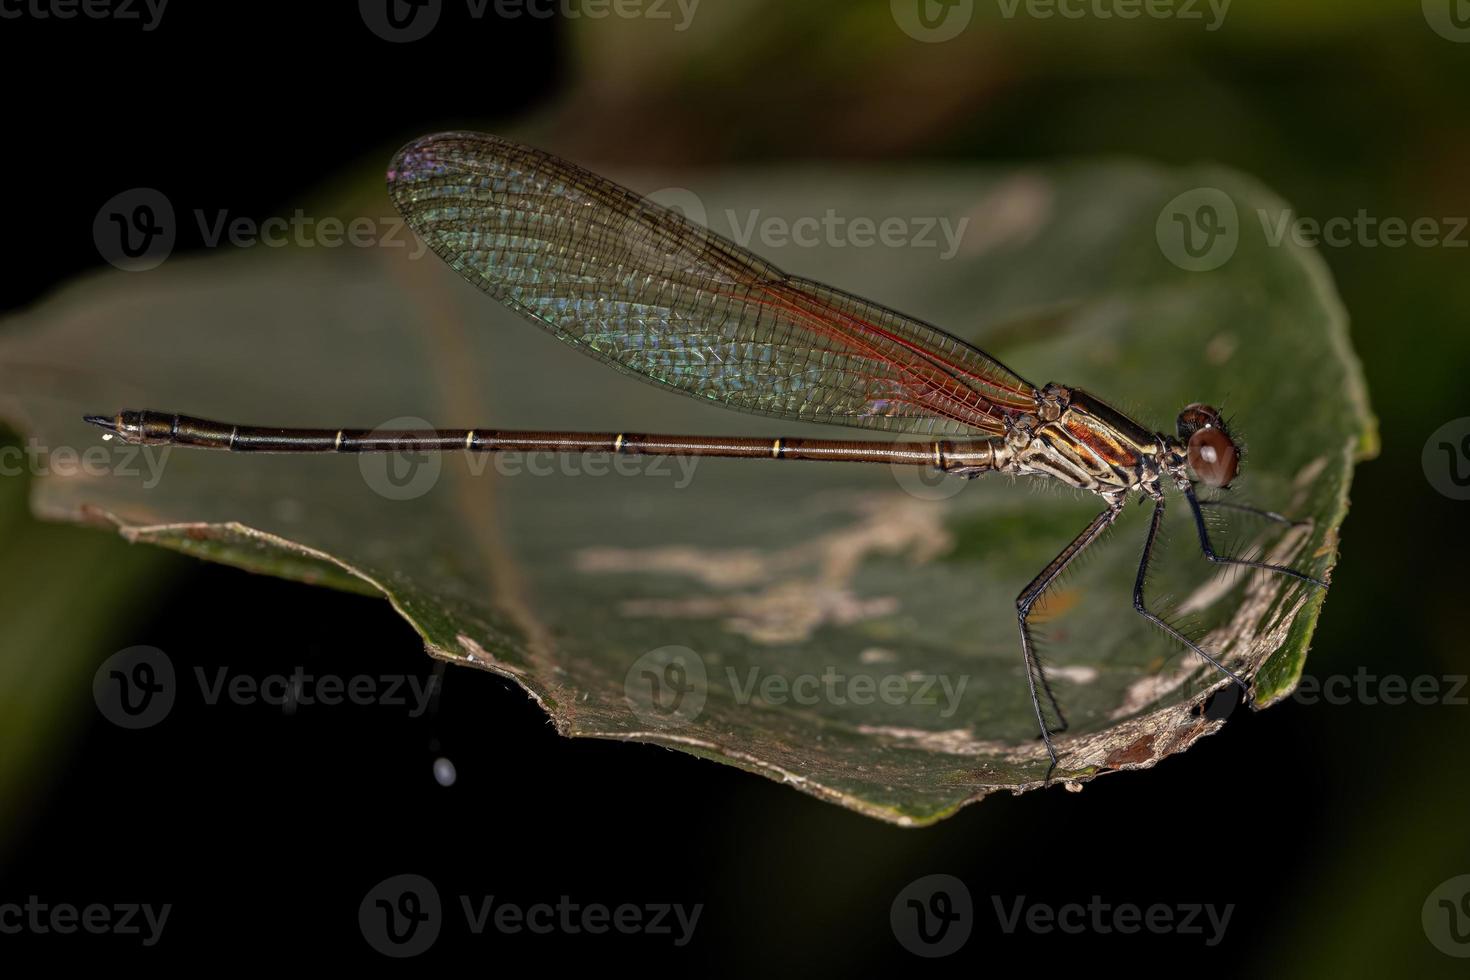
column 646, row 290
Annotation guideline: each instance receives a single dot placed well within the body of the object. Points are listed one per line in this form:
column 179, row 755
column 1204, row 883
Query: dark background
column 1326, row 826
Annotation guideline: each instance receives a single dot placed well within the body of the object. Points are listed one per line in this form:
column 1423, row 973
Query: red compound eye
column 1213, row 457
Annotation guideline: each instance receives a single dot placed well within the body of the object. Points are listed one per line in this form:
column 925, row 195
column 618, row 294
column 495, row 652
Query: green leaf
column 848, row 630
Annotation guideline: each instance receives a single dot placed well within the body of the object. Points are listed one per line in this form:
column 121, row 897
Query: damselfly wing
column 643, row 288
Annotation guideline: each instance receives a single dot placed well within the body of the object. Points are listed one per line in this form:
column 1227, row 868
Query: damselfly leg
column 1212, row 555
column 1035, row 673
column 1269, row 515
column 1155, row 522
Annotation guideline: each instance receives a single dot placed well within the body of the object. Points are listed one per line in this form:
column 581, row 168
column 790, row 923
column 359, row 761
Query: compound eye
column 1195, row 417
column 1213, row 457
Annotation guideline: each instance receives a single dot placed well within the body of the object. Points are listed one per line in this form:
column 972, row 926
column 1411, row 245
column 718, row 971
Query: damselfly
column 653, row 294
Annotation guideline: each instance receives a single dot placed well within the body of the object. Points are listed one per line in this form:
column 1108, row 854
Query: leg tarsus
column 1195, row 505
column 1269, row 515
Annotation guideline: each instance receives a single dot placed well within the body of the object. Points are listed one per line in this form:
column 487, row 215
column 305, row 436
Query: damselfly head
column 1213, row 455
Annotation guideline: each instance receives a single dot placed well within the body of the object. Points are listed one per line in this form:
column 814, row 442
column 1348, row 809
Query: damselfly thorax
column 1085, row 443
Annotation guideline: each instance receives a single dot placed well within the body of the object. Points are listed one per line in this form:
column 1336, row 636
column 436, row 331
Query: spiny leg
column 1204, row 542
column 1269, row 515
column 1143, row 610
column 1028, row 598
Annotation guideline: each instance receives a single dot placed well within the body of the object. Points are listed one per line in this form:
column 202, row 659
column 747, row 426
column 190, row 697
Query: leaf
column 848, row 630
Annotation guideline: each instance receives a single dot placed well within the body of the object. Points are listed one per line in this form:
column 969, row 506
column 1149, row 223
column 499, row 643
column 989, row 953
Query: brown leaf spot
column 1138, row 753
